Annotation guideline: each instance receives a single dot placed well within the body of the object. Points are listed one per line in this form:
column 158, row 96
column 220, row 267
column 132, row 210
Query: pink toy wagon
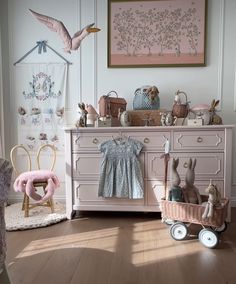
column 182, row 214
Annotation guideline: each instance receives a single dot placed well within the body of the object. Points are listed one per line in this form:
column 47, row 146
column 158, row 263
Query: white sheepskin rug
column 38, row 217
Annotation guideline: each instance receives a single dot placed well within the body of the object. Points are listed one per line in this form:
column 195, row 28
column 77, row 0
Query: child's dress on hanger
column 120, row 172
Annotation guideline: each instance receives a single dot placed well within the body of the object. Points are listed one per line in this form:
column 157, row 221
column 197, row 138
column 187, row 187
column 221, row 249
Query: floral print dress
column 120, row 172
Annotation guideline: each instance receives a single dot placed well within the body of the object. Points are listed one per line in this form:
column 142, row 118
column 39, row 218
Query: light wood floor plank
column 118, row 248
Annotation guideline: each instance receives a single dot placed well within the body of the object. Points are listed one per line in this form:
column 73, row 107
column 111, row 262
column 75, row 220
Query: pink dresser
column 210, row 145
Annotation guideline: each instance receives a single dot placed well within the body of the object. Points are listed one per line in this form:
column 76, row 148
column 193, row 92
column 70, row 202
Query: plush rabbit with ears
column 175, row 175
column 214, row 104
column 191, row 192
column 175, row 193
column 82, row 122
column 215, row 118
column 190, row 174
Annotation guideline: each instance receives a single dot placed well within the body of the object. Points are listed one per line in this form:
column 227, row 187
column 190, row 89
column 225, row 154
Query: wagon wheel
column 178, row 231
column 208, row 238
column 222, row 228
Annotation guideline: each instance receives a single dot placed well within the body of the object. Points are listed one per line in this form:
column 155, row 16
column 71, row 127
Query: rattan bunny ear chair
column 30, row 181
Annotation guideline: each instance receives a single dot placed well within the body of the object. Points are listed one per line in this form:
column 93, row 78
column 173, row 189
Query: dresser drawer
column 209, row 165
column 155, row 167
column 87, row 166
column 199, row 140
column 86, row 193
column 150, row 140
column 155, row 192
column 89, row 141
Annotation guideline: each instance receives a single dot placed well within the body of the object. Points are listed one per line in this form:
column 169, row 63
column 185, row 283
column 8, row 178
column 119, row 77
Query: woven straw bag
column 180, row 110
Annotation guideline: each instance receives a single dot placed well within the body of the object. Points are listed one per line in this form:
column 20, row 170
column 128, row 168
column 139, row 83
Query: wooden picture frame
column 156, row 33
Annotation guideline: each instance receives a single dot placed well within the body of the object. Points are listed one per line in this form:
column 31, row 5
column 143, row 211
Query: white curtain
column 1, row 106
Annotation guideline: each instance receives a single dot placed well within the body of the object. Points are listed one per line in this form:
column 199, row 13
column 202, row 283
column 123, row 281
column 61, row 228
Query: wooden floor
column 118, row 248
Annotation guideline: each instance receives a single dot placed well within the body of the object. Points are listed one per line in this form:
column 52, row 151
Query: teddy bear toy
column 175, row 193
column 190, row 191
column 25, row 183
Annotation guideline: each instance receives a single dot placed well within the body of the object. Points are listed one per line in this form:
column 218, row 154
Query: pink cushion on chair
column 25, row 182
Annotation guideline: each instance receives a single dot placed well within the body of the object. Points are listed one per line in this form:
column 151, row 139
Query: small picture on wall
column 156, row 33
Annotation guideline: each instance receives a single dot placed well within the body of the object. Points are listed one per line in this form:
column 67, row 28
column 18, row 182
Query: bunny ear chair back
column 29, row 180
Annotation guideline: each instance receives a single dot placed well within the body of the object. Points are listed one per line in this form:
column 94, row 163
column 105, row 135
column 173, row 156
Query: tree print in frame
column 156, row 33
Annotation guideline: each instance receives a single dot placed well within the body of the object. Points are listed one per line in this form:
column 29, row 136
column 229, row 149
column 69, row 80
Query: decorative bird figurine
column 71, row 43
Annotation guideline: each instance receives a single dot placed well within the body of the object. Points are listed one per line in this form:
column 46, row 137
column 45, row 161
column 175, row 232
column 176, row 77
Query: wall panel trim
column 221, row 50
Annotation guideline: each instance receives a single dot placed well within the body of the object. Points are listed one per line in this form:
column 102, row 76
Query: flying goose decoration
column 70, row 43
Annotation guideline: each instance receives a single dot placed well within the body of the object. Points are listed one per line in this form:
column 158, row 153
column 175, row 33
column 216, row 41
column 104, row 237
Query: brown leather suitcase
column 111, row 106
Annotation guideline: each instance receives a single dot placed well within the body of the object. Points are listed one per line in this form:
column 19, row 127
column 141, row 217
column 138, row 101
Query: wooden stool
column 26, row 205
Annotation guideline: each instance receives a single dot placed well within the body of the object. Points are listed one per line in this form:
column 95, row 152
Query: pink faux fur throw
column 25, row 183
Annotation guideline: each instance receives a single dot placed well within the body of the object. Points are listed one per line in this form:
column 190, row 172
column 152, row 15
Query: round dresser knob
column 95, row 141
column 146, row 140
column 199, row 139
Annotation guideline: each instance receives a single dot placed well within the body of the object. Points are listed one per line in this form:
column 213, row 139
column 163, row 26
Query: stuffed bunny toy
column 82, row 122
column 215, row 118
column 190, row 191
column 175, row 193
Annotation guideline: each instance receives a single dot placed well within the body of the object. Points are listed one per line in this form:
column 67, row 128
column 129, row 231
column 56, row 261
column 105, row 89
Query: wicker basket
column 192, row 213
column 180, row 110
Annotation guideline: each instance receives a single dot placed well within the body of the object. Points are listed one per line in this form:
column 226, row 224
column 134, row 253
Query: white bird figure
column 71, row 43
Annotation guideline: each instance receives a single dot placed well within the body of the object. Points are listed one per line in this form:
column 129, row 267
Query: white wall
column 90, row 78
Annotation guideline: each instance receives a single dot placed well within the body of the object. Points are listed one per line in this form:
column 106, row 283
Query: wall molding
column 233, row 201
column 79, row 7
column 2, row 138
column 95, row 90
column 235, row 88
column 221, row 51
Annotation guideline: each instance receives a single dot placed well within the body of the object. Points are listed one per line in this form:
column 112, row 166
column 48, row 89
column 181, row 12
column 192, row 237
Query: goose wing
column 56, row 26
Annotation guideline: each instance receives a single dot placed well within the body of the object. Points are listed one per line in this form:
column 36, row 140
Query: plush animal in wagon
column 214, row 200
column 190, row 191
column 175, row 193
